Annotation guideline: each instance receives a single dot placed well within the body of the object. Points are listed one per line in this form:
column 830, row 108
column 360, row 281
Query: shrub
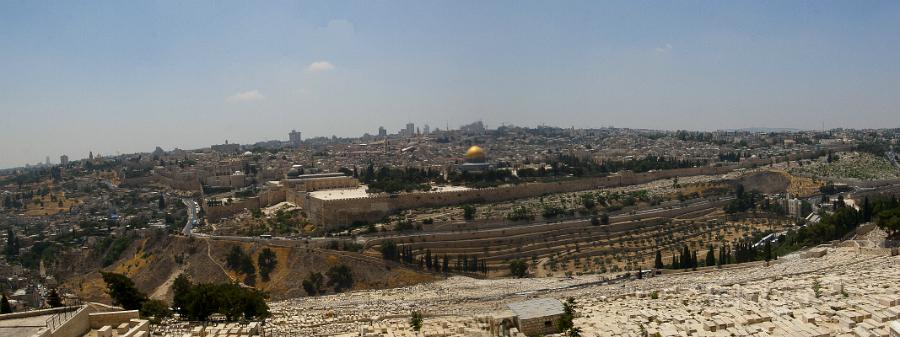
column 340, row 277
column 267, row 262
column 518, row 268
column 415, row 321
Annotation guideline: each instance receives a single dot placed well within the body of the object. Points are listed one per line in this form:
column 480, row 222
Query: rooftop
column 541, row 307
column 25, row 326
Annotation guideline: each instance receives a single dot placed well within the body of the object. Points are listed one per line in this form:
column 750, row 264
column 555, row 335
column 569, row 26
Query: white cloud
column 664, row 49
column 246, row 96
column 320, row 66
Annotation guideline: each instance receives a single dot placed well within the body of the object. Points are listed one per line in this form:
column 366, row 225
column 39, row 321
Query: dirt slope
column 767, row 182
column 153, row 262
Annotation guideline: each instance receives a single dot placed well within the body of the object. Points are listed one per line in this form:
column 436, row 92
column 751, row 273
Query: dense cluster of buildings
column 50, row 212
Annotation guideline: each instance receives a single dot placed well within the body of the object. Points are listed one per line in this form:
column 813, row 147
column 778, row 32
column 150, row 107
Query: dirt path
column 209, row 255
column 160, row 292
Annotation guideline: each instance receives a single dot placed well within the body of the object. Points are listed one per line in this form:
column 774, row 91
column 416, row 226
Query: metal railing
column 57, row 320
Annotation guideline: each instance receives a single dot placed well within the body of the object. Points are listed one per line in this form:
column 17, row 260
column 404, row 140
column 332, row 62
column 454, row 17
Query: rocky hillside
column 154, row 261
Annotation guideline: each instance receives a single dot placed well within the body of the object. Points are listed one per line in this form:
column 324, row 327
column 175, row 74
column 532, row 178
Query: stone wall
column 334, row 213
column 75, row 326
column 330, row 214
column 99, row 319
column 538, row 326
column 325, row 183
column 263, row 199
column 230, row 180
column 295, row 197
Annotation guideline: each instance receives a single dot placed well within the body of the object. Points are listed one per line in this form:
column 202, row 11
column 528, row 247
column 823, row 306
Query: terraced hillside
column 628, row 242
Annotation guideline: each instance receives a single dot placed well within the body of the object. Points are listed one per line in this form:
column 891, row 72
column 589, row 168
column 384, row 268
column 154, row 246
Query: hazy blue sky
column 127, row 76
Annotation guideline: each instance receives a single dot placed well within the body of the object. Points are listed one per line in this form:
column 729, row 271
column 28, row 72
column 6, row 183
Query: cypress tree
column 710, row 257
column 5, row 308
column 465, row 263
column 694, row 260
column 12, row 244
column 685, row 257
column 658, row 264
column 721, row 256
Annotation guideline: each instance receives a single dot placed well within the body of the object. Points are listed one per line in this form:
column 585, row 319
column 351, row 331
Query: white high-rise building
column 294, row 138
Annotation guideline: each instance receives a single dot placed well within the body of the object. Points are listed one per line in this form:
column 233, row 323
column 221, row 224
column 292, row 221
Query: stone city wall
column 231, row 180
column 263, row 199
column 332, row 213
column 295, row 197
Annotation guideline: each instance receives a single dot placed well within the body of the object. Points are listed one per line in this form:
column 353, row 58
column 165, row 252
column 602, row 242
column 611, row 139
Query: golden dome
column 475, row 152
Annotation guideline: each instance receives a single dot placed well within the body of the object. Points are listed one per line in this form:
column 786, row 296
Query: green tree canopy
column 267, row 261
column 5, row 307
column 53, row 299
column 123, row 291
column 340, row 277
column 518, row 268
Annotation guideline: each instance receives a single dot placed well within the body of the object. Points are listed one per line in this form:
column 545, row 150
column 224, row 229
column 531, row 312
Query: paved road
column 192, row 209
column 892, row 156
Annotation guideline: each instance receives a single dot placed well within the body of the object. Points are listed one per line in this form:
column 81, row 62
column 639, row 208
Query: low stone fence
column 99, row 319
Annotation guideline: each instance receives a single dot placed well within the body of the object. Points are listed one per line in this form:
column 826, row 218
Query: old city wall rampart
column 330, row 213
column 263, row 199
column 333, row 213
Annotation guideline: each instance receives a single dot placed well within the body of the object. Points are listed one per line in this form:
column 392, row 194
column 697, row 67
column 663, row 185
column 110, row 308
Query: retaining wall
column 113, row 319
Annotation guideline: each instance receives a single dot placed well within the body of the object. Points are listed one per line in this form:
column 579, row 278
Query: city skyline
column 129, row 77
column 399, row 132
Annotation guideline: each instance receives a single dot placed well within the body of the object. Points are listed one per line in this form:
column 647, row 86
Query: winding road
column 192, row 209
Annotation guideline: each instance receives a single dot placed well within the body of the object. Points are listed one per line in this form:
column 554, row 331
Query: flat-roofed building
column 537, row 317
